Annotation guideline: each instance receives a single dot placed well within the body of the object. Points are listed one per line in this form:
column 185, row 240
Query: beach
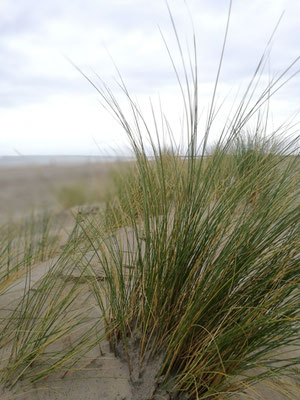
column 100, row 374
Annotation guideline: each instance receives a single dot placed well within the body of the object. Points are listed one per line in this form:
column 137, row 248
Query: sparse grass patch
column 54, row 322
column 79, row 194
column 22, row 244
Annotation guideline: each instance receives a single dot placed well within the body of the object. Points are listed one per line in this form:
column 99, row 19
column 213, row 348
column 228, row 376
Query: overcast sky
column 47, row 107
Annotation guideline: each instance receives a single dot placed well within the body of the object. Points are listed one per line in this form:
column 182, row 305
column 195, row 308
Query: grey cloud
column 26, row 16
column 90, row 18
column 35, row 36
column 33, row 18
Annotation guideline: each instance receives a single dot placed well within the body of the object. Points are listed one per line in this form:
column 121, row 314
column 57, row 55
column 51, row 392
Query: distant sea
column 14, row 161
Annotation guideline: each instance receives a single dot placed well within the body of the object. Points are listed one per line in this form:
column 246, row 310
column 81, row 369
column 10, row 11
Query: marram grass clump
column 213, row 282
column 205, row 275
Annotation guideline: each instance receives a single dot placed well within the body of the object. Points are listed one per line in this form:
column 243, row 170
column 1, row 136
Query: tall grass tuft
column 203, row 273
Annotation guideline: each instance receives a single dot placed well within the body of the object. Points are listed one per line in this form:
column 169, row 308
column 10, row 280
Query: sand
column 104, row 376
column 30, row 187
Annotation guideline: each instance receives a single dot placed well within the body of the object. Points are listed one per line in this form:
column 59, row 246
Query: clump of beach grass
column 212, row 282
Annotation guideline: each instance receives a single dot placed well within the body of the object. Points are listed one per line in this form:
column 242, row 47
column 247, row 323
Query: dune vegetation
column 191, row 270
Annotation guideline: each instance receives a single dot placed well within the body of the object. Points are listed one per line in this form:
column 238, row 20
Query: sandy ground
column 104, row 376
column 26, row 188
